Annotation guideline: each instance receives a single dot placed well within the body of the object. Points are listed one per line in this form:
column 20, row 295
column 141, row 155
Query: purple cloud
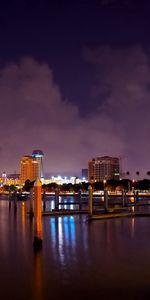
column 35, row 115
column 123, row 74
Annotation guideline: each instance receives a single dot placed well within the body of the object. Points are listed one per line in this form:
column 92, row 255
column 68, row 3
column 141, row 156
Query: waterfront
column 103, row 259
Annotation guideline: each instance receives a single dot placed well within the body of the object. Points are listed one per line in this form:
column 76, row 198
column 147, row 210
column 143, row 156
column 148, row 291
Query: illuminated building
column 10, row 179
column 103, row 168
column 29, row 169
column 4, row 178
column 64, row 180
column 13, row 179
column 38, row 156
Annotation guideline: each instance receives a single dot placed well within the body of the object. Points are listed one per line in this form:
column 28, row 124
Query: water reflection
column 63, row 236
column 38, row 276
column 132, row 227
column 23, row 213
column 78, row 259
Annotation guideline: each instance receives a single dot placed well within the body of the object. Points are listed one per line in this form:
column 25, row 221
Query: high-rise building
column 103, row 168
column 38, row 155
column 29, row 169
column 31, row 166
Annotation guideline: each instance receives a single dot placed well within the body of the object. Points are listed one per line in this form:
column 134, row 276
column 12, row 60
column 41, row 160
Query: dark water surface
column 105, row 259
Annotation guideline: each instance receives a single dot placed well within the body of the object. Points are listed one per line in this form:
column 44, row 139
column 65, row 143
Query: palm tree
column 148, row 173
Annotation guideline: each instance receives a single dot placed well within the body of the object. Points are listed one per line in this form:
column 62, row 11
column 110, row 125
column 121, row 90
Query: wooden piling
column 9, row 199
column 137, row 196
column 15, row 200
column 123, row 198
column 31, row 213
column 90, row 201
column 106, row 199
column 80, row 200
column 56, row 199
column 37, row 243
column 44, row 201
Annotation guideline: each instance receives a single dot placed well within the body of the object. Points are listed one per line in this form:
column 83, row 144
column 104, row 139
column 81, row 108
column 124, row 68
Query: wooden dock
column 64, row 212
column 111, row 215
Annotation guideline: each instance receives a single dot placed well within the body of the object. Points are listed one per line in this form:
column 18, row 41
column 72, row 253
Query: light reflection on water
column 63, row 236
column 78, row 259
column 132, row 227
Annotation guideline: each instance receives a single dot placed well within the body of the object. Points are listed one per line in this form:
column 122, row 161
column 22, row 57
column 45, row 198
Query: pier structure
column 99, row 205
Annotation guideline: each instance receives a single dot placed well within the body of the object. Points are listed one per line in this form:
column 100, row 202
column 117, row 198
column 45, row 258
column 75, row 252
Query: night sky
column 75, row 83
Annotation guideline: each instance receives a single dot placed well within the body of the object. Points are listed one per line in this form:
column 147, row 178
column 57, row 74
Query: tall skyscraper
column 38, row 155
column 103, row 168
column 31, row 166
column 29, row 169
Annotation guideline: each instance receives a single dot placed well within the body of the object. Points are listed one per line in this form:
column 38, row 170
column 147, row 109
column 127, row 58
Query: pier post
column 15, row 200
column 137, row 196
column 37, row 243
column 134, row 195
column 106, row 199
column 80, row 202
column 31, row 214
column 44, row 201
column 90, row 202
column 123, row 198
column 56, row 199
column 9, row 197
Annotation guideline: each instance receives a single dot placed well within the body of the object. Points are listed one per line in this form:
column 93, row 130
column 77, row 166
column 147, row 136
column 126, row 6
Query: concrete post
column 90, row 202
column 105, row 199
column 37, row 214
column 56, row 199
column 31, row 214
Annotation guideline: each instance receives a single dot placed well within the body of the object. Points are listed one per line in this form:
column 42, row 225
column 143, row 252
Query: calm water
column 106, row 259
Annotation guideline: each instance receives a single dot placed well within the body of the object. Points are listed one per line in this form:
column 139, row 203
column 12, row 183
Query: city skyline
column 74, row 82
column 38, row 155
